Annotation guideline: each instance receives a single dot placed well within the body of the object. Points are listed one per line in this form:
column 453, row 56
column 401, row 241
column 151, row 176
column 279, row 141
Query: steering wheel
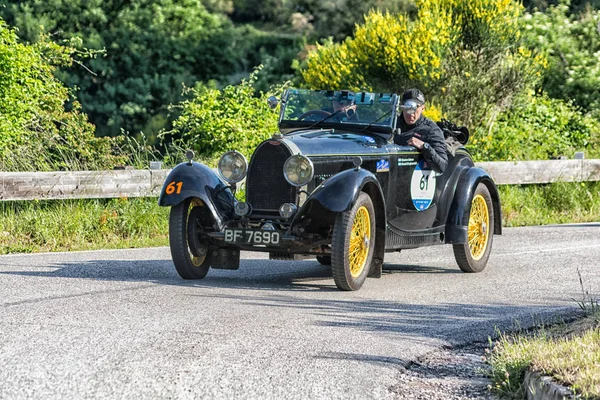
column 316, row 113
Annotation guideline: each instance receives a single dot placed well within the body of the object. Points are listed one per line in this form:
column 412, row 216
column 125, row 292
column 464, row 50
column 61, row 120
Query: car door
column 414, row 191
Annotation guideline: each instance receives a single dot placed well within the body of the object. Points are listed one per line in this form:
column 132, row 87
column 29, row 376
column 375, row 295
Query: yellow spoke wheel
column 359, row 241
column 352, row 244
column 473, row 255
column 478, row 231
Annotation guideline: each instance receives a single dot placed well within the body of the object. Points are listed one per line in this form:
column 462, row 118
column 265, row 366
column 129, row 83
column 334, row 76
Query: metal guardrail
column 147, row 183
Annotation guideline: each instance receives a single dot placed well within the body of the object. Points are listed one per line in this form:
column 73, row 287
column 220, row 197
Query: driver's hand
column 418, row 143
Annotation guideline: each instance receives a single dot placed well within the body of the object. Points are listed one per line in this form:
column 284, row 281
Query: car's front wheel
column 189, row 252
column 473, row 255
column 352, row 244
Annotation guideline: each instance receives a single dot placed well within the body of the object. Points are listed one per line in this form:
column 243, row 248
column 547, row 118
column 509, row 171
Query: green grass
column 557, row 203
column 37, row 226
column 569, row 353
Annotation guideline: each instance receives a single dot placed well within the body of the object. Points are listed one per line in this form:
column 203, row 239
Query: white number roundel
column 422, row 186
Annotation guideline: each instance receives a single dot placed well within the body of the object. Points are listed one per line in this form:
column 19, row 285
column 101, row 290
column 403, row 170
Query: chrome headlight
column 232, row 167
column 298, row 170
column 287, row 210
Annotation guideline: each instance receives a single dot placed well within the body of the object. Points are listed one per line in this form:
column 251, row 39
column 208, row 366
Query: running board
column 396, row 239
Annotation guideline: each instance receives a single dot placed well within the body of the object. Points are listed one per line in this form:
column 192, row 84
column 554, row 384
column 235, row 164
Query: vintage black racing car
column 330, row 184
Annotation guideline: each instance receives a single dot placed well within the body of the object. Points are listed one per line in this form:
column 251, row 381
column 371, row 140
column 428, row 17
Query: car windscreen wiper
column 325, row 119
column 377, row 120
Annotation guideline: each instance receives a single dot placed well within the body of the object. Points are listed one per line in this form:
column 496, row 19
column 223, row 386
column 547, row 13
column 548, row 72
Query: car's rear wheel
column 189, row 252
column 352, row 244
column 473, row 255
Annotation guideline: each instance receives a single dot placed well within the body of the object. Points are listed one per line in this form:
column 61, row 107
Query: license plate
column 246, row 236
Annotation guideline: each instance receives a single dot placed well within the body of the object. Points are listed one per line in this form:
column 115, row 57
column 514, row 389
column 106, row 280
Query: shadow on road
column 272, row 285
column 253, row 274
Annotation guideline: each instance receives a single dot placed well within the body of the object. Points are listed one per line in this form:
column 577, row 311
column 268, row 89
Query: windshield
column 327, row 108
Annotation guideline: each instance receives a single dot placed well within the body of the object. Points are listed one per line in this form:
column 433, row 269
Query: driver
column 344, row 107
column 413, row 129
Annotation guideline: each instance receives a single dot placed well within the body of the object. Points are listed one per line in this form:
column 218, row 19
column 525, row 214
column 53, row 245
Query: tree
column 36, row 131
column 151, row 48
column 467, row 55
column 214, row 120
column 571, row 43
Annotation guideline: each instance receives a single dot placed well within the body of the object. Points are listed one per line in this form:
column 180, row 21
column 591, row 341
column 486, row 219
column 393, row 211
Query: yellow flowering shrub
column 464, row 55
column 387, row 52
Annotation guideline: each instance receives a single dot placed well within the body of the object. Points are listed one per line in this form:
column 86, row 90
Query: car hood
column 332, row 142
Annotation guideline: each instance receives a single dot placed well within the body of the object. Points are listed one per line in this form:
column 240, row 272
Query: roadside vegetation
column 105, row 84
column 569, row 353
column 69, row 225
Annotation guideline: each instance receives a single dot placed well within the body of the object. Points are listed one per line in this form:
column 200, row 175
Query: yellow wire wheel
column 352, row 244
column 473, row 255
column 359, row 242
column 478, row 230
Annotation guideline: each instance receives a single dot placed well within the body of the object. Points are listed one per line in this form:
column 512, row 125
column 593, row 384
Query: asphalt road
column 121, row 324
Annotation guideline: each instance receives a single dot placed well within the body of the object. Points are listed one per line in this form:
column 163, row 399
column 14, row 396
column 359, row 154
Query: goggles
column 410, row 107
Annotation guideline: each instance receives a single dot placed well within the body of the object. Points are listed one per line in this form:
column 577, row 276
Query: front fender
column 456, row 230
column 339, row 192
column 197, row 180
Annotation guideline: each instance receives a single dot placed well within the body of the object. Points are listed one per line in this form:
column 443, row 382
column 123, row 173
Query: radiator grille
column 266, row 187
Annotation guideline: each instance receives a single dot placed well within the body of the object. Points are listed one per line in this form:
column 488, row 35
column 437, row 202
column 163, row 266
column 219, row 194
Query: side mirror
column 272, row 101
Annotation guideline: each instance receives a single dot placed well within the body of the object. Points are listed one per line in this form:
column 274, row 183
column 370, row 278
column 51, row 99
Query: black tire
column 473, row 255
column 324, row 260
column 349, row 273
column 190, row 255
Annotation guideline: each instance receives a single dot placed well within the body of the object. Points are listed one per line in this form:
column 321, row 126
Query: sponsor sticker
column 402, row 162
column 369, row 139
column 383, row 166
column 422, row 186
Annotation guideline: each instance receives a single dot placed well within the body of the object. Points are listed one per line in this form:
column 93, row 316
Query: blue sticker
column 383, row 166
column 369, row 139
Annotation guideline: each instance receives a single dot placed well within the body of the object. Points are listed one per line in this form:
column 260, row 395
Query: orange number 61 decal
column 174, row 187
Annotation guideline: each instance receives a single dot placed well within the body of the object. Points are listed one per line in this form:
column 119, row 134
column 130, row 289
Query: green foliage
column 215, row 121
column 34, row 226
column 538, row 128
column 569, row 357
column 465, row 55
column 572, row 44
column 151, row 48
column 556, row 203
column 37, row 132
column 313, row 18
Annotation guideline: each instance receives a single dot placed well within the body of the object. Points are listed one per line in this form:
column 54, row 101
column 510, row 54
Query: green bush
column 465, row 55
column 233, row 118
column 538, row 128
column 37, row 131
column 571, row 42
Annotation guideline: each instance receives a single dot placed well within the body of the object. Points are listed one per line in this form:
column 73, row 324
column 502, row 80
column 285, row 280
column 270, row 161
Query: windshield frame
column 369, row 126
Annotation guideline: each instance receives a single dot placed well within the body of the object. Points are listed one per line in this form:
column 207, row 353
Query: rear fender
column 456, row 230
column 197, row 180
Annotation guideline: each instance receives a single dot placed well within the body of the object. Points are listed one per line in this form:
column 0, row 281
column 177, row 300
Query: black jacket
column 427, row 131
